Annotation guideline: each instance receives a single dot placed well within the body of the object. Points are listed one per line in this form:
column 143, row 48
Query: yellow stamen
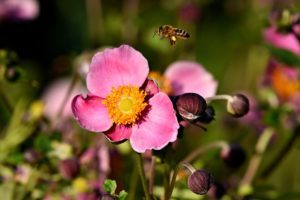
column 163, row 83
column 125, row 104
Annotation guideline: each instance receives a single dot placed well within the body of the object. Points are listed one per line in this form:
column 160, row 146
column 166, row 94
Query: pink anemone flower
column 286, row 41
column 123, row 104
column 190, row 76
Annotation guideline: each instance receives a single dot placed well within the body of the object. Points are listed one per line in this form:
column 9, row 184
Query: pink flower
column 286, row 41
column 19, row 9
column 190, row 76
column 120, row 103
column 54, row 95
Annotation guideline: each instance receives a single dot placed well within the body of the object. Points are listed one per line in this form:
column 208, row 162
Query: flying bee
column 172, row 33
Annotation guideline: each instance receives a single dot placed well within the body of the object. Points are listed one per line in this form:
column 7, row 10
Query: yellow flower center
column 163, row 83
column 125, row 104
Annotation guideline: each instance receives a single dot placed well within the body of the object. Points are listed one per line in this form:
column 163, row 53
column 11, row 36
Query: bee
column 172, row 33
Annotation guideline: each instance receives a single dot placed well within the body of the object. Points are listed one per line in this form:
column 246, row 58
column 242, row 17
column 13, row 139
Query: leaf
column 285, row 56
column 110, row 186
column 122, row 195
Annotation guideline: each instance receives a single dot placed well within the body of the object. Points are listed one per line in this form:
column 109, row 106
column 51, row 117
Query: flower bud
column 190, row 106
column 200, row 181
column 233, row 155
column 69, row 168
column 216, row 191
column 238, row 106
column 208, row 116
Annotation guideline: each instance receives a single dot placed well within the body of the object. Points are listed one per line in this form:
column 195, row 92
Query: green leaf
column 42, row 143
column 285, row 56
column 122, row 195
column 110, row 186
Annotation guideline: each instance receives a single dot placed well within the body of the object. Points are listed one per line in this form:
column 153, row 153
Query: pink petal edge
column 285, row 41
column 91, row 113
column 190, row 76
column 116, row 67
column 159, row 127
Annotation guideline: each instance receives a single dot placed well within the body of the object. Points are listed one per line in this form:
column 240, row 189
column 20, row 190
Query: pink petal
column 159, row 127
column 189, row 76
column 116, row 67
column 91, row 113
column 284, row 41
column 118, row 133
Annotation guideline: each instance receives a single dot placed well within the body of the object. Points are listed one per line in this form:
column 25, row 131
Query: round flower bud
column 69, row 168
column 238, row 106
column 216, row 191
column 233, row 155
column 200, row 181
column 190, row 106
column 208, row 116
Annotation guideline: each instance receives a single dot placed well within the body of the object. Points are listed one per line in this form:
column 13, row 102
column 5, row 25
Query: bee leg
column 172, row 40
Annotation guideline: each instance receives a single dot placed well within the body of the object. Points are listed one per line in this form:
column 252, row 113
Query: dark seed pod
column 238, row 106
column 233, row 156
column 190, row 106
column 200, row 181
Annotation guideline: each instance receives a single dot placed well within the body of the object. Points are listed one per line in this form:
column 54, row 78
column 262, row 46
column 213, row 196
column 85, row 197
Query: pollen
column 125, row 104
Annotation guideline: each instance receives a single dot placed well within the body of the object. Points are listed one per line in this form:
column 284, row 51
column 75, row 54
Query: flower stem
column 143, row 176
column 202, row 149
column 255, row 161
column 152, row 174
column 219, row 97
column 287, row 147
column 172, row 184
column 133, row 184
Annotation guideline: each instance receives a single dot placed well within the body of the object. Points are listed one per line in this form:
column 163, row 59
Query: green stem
column 288, row 146
column 166, row 181
column 219, row 97
column 172, row 184
column 255, row 161
column 152, row 174
column 133, row 184
column 143, row 176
